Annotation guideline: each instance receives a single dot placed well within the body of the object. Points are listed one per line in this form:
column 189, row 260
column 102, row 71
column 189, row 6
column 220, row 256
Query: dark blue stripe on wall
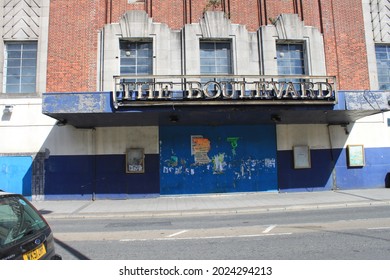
column 318, row 177
column 329, row 170
column 371, row 175
column 104, row 175
column 65, row 175
column 112, row 177
column 81, row 176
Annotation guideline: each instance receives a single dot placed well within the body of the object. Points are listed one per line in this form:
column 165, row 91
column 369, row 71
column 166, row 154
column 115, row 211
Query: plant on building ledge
column 213, row 5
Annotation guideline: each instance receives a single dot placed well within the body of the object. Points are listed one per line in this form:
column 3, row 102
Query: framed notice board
column 135, row 160
column 301, row 157
column 355, row 154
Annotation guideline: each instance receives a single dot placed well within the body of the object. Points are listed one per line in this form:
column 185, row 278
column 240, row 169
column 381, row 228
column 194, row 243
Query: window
column 290, row 59
column 383, row 64
column 215, row 58
column 136, row 58
column 20, row 67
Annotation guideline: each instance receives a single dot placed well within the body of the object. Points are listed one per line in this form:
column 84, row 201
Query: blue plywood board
column 16, row 174
column 217, row 159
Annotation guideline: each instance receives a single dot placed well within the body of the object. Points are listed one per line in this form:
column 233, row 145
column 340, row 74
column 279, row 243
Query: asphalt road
column 342, row 233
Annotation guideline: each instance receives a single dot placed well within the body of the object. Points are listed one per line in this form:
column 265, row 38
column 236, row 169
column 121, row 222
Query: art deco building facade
column 117, row 98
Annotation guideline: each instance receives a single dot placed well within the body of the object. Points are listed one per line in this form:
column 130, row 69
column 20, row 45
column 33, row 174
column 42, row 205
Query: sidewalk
column 211, row 204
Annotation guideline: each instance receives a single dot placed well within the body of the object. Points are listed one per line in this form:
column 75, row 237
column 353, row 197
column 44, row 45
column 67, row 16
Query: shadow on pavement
column 71, row 250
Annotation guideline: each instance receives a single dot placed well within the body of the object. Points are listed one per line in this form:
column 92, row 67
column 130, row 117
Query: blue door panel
column 16, row 174
column 217, row 159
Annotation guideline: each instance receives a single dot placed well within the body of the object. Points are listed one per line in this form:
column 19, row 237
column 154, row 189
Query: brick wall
column 72, row 50
column 350, row 56
column 170, row 12
column 245, row 12
column 72, row 59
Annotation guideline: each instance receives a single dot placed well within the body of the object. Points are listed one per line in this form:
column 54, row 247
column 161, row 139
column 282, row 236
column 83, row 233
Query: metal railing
column 154, row 90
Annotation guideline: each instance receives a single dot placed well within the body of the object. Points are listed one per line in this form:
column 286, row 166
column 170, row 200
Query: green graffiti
column 234, row 143
column 173, row 161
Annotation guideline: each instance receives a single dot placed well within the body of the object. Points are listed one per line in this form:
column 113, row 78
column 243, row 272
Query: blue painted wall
column 69, row 175
column 248, row 165
column 16, row 174
column 252, row 165
column 371, row 175
column 329, row 169
column 78, row 177
column 317, row 178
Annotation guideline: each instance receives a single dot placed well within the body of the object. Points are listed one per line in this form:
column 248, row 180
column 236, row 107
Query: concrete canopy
column 88, row 110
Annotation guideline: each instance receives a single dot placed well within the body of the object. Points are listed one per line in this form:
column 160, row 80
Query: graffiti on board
column 214, row 161
column 200, row 147
column 234, row 143
column 248, row 167
column 219, row 163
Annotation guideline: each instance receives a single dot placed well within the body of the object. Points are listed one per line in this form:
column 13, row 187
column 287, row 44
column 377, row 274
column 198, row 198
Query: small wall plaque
column 301, row 157
column 355, row 154
column 135, row 160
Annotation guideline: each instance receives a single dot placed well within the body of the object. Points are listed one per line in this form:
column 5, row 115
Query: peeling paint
column 217, row 159
column 219, row 163
column 200, row 146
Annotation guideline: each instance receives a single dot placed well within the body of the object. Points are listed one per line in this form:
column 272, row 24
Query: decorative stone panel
column 21, row 19
column 215, row 25
column 380, row 19
column 290, row 28
column 135, row 24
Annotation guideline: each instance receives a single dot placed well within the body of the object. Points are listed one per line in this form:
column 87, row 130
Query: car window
column 18, row 220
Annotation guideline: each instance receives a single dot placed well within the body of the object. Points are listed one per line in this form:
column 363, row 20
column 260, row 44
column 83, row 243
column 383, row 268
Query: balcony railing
column 160, row 90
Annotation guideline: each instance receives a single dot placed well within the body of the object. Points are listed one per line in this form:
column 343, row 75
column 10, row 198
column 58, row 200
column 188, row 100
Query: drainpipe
column 106, row 12
column 321, row 20
column 261, row 47
column 94, row 149
column 184, row 12
column 260, row 12
column 301, row 6
column 332, row 160
column 183, row 52
column 101, row 66
column 228, row 9
column 295, row 5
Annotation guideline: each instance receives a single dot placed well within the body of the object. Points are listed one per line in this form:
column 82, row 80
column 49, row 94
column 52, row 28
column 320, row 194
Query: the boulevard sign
column 129, row 92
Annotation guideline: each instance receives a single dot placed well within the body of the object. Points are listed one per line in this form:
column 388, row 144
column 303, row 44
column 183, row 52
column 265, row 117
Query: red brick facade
column 74, row 26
